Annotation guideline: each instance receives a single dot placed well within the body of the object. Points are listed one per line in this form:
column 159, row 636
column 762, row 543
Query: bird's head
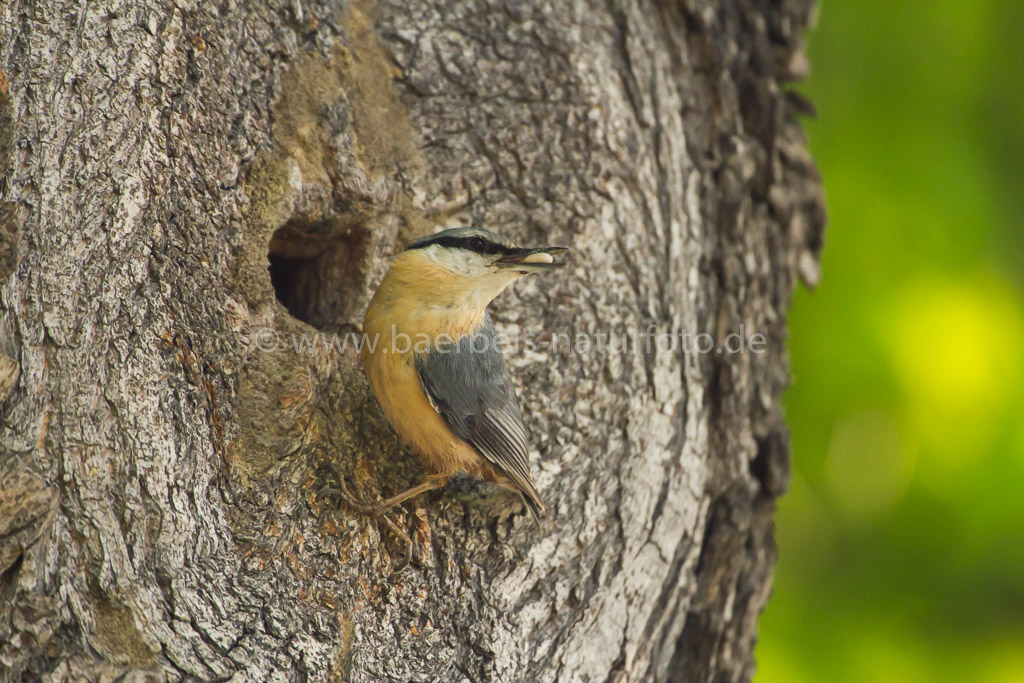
column 471, row 264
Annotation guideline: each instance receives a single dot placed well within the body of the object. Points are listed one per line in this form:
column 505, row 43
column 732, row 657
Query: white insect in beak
column 539, row 257
column 525, row 261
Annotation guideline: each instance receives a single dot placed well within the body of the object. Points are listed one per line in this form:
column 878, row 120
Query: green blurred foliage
column 901, row 540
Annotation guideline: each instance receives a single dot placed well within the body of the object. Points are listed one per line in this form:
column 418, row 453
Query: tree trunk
column 192, row 192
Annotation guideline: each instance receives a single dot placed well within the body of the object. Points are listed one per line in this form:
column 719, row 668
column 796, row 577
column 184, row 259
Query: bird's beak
column 533, row 260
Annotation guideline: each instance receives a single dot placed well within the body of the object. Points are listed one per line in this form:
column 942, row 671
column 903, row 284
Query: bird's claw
column 378, row 512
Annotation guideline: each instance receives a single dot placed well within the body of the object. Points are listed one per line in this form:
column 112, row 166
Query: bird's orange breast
column 395, row 328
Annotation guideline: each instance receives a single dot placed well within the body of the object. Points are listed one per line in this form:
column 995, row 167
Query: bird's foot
column 378, row 512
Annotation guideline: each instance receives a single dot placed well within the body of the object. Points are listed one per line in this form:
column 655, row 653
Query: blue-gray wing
column 469, row 386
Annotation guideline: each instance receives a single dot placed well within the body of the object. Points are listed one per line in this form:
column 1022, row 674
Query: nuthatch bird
column 431, row 355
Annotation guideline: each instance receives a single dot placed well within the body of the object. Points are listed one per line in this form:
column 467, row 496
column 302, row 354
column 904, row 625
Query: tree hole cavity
column 317, row 270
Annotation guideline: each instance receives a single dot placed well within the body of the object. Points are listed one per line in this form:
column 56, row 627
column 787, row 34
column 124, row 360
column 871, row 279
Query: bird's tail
column 532, row 500
column 517, row 479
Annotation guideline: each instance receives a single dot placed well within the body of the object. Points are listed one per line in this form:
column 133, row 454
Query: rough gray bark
column 162, row 456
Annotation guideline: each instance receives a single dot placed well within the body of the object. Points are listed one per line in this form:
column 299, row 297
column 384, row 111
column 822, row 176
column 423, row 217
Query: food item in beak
column 539, row 257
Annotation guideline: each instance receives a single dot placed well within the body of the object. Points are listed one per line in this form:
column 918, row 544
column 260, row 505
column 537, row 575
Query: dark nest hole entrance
column 317, row 270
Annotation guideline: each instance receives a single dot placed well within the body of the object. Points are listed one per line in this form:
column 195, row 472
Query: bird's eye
column 478, row 244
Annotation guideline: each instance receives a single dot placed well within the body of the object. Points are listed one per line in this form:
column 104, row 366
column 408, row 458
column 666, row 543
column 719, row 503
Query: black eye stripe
column 474, row 243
